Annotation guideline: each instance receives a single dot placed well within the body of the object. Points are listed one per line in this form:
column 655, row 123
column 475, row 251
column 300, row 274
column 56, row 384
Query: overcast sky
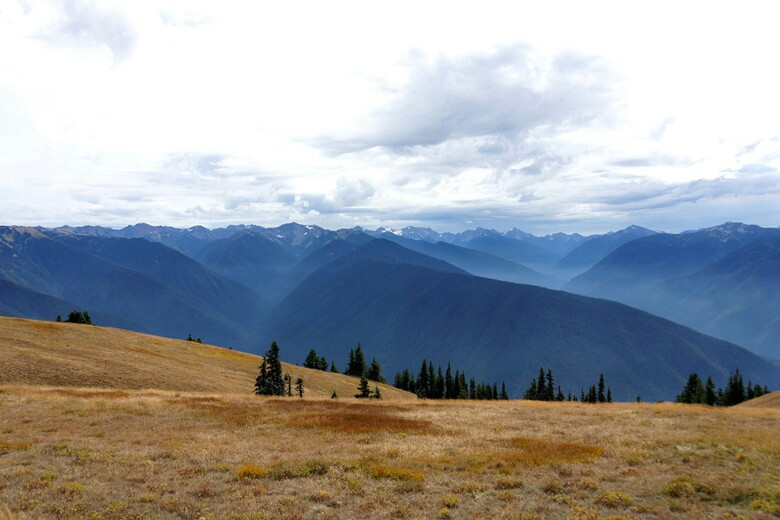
column 566, row 116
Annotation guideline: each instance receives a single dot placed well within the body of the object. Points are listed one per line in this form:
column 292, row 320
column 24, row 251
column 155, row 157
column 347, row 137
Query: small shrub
column 509, row 483
column 587, row 484
column 552, row 487
column 562, row 499
column 613, row 499
column 305, row 470
column 321, row 496
column 7, row 447
column 450, row 501
column 444, row 513
column 72, row 488
column 680, row 487
column 766, row 506
column 355, row 486
column 505, row 495
column 410, row 487
column 250, row 471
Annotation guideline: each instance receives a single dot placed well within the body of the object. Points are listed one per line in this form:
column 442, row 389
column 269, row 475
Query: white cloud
column 541, row 117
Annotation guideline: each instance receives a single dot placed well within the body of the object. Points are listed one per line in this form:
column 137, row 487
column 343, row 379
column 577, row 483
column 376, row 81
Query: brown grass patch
column 357, row 419
column 535, row 452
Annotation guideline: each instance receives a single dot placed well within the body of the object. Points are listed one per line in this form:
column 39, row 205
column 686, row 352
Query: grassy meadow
column 70, row 450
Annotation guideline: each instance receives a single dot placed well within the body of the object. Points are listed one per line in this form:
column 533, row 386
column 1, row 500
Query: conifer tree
column 364, row 392
column 262, row 379
column 472, row 389
column 530, row 393
column 710, row 397
column 463, row 392
column 299, row 387
column 333, row 367
column 377, row 393
column 560, row 396
column 431, row 381
column 312, row 359
column 423, row 383
column 375, row 372
column 549, row 391
column 541, row 389
column 288, row 384
column 334, row 395
column 609, row 395
column 274, row 383
column 504, row 395
column 449, row 391
column 439, row 387
column 59, row 318
column 602, row 398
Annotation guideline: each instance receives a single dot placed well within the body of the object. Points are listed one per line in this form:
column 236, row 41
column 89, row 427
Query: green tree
column 602, row 398
column 333, row 367
column 312, row 360
column 449, row 384
column 710, row 397
column 273, row 382
column 262, row 378
column 357, row 362
column 504, row 395
column 363, row 391
column 375, row 372
column 377, row 393
column 299, row 387
column 288, row 384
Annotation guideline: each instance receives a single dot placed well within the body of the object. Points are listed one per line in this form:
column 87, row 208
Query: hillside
column 495, row 330
column 722, row 281
column 771, row 400
column 592, row 249
column 63, row 354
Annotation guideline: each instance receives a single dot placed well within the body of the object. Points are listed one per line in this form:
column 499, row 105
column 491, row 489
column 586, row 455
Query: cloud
column 89, row 23
column 505, row 93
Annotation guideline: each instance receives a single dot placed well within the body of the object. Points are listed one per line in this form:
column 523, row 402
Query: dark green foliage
column 299, row 387
column 434, row 384
column 375, row 372
column 333, row 367
column 602, row 398
column 710, row 397
column 79, row 317
column 322, row 364
column 288, row 384
column 377, row 394
column 357, row 362
column 334, row 395
column 59, row 318
column 694, row 392
column 504, row 395
column 312, row 359
column 196, row 340
column 363, row 391
column 270, row 381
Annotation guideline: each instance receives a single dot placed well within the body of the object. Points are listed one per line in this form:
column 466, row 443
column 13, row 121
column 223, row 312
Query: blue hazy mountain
column 402, row 313
column 593, row 249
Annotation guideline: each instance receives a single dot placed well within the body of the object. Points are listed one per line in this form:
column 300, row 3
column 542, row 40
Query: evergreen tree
column 377, row 393
column 333, row 367
column 504, row 395
column 602, row 398
column 262, row 379
column 609, row 395
column 735, row 389
column 710, row 397
column 449, row 392
column 274, row 383
column 323, row 364
column 439, row 387
column 494, row 394
column 549, row 391
column 541, row 388
column 472, row 389
column 431, row 381
column 59, row 318
column 375, row 372
column 350, row 363
column 463, row 392
column 423, row 383
column 288, row 384
column 560, row 396
column 334, row 395
column 312, row 360
column 530, row 393
column 582, row 395
column 299, row 387
column 360, row 362
column 87, row 318
column 363, row 391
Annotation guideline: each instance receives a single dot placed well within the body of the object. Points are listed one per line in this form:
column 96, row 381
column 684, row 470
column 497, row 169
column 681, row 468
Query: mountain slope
column 522, row 252
column 593, row 249
column 45, row 265
column 475, row 262
column 498, row 331
column 63, row 354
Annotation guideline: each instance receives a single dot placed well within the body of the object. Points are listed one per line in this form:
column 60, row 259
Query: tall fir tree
column 299, row 387
column 364, row 392
column 602, row 397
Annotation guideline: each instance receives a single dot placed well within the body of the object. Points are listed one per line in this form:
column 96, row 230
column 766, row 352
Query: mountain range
column 468, row 298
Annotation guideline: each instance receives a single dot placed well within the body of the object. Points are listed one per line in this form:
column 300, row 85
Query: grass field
column 67, row 451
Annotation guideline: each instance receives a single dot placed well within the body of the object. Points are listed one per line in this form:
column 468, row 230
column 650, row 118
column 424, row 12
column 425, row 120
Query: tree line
column 432, row 383
column 356, row 365
column 697, row 392
column 77, row 317
column 543, row 388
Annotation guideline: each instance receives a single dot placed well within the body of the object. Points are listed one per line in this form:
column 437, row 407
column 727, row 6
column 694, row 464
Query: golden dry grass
column 73, row 452
column 765, row 401
column 66, row 354
column 138, row 452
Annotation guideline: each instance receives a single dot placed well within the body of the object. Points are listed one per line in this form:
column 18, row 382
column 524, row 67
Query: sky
column 546, row 116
